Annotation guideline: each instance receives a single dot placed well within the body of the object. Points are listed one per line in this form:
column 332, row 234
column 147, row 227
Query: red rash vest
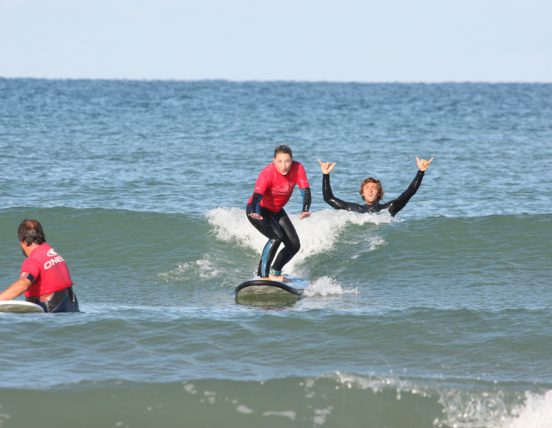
column 48, row 269
column 276, row 188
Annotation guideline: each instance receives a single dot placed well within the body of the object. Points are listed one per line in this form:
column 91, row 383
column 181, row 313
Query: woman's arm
column 306, row 192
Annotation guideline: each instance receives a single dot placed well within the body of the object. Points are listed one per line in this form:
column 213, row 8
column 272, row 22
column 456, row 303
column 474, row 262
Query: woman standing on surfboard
column 371, row 191
column 265, row 210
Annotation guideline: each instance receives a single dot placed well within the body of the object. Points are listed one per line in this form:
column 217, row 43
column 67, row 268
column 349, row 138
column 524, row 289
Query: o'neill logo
column 54, row 260
column 51, row 253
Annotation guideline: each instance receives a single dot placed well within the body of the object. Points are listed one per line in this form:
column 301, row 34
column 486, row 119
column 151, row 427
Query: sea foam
column 318, row 234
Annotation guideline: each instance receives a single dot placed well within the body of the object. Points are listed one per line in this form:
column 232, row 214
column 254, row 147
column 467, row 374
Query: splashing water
column 319, row 233
column 326, row 286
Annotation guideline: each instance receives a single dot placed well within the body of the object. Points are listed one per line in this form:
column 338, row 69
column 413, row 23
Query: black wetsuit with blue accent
column 278, row 228
column 393, row 206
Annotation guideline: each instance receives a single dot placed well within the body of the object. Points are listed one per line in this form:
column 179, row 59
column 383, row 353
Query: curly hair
column 372, row 180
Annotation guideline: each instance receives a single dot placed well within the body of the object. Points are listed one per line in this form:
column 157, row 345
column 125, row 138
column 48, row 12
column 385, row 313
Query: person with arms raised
column 371, row 191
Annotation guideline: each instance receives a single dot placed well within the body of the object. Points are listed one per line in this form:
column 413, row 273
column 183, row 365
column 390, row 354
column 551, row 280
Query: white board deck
column 19, row 307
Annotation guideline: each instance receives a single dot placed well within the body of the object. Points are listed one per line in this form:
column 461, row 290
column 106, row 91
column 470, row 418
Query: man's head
column 371, row 190
column 30, row 232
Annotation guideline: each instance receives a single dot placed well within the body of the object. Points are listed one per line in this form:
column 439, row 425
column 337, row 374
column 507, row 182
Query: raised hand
column 326, row 167
column 423, row 164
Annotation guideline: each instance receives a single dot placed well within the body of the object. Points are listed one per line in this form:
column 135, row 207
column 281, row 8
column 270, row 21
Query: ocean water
column 439, row 317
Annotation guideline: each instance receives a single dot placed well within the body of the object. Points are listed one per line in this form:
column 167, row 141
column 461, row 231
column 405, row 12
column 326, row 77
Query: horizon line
column 183, row 80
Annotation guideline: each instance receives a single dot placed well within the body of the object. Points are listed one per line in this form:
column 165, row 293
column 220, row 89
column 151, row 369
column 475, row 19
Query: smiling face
column 282, row 162
column 371, row 191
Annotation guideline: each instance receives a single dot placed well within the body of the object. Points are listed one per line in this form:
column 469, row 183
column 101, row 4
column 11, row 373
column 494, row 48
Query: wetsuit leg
column 268, row 254
column 269, row 227
column 62, row 301
column 290, row 240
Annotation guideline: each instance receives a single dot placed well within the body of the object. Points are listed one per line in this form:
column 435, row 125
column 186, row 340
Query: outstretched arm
column 17, row 288
column 398, row 204
column 255, row 203
column 329, row 198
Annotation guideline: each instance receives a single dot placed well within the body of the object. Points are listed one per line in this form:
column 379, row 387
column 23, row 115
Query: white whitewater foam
column 490, row 409
column 202, row 268
column 535, row 413
column 318, row 233
column 377, row 384
column 326, row 286
column 290, row 414
column 244, row 409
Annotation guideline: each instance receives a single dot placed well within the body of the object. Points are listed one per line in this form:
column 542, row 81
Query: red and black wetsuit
column 393, row 206
column 272, row 191
column 49, row 274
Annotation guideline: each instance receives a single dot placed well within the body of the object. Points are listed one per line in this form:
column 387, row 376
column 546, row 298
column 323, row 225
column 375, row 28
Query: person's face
column 370, row 192
column 282, row 161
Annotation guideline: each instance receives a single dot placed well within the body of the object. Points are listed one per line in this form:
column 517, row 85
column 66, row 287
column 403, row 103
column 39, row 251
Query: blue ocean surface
column 438, row 317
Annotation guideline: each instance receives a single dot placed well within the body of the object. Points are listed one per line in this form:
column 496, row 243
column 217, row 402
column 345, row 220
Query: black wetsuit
column 277, row 227
column 62, row 301
column 393, row 206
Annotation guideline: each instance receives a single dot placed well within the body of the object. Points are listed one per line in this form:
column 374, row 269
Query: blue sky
column 308, row 40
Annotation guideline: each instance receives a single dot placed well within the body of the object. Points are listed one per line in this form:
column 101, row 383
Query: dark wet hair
column 372, row 180
column 30, row 232
column 283, row 148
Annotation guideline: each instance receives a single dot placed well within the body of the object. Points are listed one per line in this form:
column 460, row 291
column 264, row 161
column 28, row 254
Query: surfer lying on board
column 371, row 191
column 44, row 277
column 265, row 210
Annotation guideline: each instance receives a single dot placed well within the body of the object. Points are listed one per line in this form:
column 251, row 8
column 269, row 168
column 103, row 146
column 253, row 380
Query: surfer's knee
column 294, row 246
column 273, row 243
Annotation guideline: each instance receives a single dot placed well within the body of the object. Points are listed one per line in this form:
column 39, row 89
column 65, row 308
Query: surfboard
column 263, row 291
column 19, row 306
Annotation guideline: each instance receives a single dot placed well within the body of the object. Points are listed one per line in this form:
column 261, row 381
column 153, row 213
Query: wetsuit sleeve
column 301, row 179
column 398, row 204
column 306, row 192
column 330, row 199
column 304, row 186
column 256, row 202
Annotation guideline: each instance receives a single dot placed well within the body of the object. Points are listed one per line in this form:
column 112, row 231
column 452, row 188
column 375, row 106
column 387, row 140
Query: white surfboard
column 19, row 307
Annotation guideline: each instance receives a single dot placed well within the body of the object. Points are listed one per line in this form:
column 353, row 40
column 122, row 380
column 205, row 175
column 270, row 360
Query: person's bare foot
column 280, row 278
